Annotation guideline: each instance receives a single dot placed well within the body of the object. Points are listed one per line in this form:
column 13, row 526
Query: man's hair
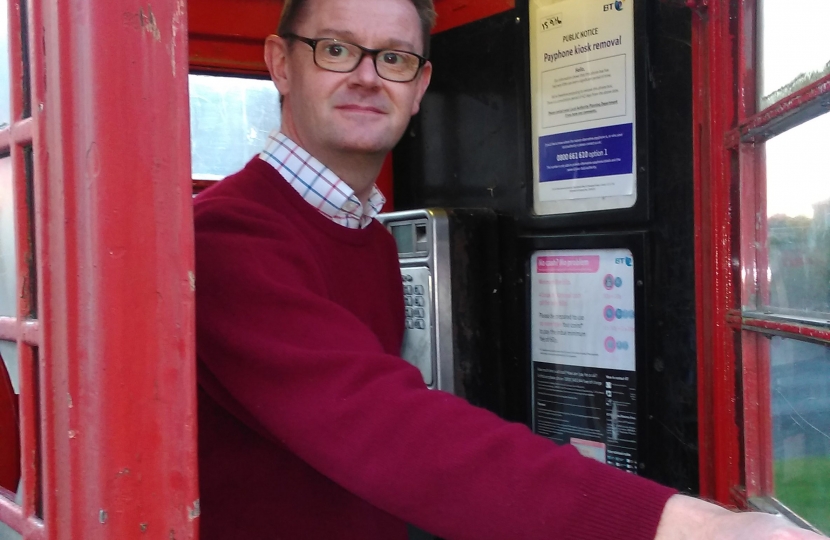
column 292, row 11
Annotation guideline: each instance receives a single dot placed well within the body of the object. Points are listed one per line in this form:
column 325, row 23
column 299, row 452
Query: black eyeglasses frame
column 364, row 50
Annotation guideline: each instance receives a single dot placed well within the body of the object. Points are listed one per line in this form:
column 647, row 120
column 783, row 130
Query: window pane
column 794, row 50
column 798, row 210
column 230, row 118
column 5, row 99
column 800, row 390
column 8, row 256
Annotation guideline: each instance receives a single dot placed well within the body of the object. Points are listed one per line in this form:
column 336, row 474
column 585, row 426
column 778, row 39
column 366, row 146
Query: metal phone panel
column 428, row 262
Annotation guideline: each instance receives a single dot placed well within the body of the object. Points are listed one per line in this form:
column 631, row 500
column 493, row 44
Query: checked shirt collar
column 318, row 185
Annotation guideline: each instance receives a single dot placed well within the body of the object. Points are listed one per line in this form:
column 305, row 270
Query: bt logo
column 624, row 260
column 618, row 5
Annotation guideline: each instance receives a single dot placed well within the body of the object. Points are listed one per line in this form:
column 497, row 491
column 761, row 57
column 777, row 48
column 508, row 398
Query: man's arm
column 686, row 518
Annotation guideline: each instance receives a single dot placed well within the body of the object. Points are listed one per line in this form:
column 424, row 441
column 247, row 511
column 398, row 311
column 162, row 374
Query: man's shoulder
column 254, row 189
column 247, row 196
column 248, row 183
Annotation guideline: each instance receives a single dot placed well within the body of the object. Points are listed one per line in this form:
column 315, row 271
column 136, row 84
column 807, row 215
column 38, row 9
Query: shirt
column 319, row 185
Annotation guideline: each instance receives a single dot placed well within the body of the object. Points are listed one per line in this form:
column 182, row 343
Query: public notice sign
column 583, row 105
column 583, row 352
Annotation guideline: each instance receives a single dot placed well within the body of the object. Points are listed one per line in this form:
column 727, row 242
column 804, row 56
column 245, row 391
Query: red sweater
column 310, row 425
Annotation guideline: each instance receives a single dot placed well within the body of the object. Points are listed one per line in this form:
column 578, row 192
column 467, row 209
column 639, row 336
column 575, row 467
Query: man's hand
column 687, row 518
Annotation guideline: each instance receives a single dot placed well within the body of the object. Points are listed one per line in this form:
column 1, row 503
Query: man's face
column 357, row 112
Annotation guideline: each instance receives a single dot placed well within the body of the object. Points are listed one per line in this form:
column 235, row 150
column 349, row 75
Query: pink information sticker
column 567, row 264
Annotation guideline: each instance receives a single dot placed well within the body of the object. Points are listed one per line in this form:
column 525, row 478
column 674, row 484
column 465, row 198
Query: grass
column 804, row 486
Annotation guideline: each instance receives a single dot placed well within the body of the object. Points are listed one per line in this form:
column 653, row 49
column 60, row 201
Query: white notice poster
column 583, row 105
column 582, row 306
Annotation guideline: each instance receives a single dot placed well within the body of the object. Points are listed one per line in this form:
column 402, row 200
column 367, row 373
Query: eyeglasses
column 344, row 57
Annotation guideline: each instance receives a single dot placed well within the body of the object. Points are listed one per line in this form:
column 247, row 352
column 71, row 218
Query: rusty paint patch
column 145, row 20
column 191, row 278
column 142, row 527
column 194, row 512
column 93, row 161
column 102, row 516
column 177, row 24
column 148, row 22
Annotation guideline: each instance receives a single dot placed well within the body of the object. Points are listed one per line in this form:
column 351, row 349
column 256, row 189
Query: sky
column 794, row 40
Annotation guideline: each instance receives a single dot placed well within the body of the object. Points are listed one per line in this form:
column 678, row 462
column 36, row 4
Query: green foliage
column 803, row 485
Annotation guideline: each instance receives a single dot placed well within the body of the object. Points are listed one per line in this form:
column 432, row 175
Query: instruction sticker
column 583, row 352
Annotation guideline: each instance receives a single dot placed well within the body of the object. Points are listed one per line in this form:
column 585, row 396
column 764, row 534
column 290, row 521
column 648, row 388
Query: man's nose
column 365, row 73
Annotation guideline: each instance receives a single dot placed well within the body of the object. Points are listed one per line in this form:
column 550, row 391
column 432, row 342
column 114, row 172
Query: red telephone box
column 97, row 382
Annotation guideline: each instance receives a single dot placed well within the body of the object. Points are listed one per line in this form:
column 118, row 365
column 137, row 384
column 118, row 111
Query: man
column 311, row 426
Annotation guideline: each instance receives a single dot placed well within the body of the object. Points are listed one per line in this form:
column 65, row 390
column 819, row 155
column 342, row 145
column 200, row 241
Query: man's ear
column 422, row 83
column 276, row 58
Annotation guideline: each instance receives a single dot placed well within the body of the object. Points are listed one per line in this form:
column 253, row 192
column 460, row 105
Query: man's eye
column 336, row 51
column 392, row 58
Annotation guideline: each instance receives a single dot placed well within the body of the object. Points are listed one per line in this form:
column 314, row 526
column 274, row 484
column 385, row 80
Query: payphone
column 451, row 285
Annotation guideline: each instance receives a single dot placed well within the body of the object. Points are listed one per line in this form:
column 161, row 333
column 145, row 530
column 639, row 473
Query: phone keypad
column 415, row 304
column 418, row 347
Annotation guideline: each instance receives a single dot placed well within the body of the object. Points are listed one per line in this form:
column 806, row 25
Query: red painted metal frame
column 714, row 112
column 21, row 134
column 230, row 44
column 782, row 115
column 753, row 129
column 732, row 256
column 115, row 366
column 454, row 13
column 779, row 326
column 756, row 428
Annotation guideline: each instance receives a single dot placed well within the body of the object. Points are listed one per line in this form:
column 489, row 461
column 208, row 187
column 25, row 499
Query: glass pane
column 8, row 255
column 798, row 210
column 8, row 352
column 794, row 50
column 5, row 87
column 6, row 533
column 800, row 390
column 230, row 119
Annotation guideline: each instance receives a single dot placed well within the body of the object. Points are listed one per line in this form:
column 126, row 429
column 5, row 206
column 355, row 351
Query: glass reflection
column 230, row 119
column 8, row 255
column 8, row 352
column 5, row 77
column 794, row 51
column 800, row 391
column 798, row 210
